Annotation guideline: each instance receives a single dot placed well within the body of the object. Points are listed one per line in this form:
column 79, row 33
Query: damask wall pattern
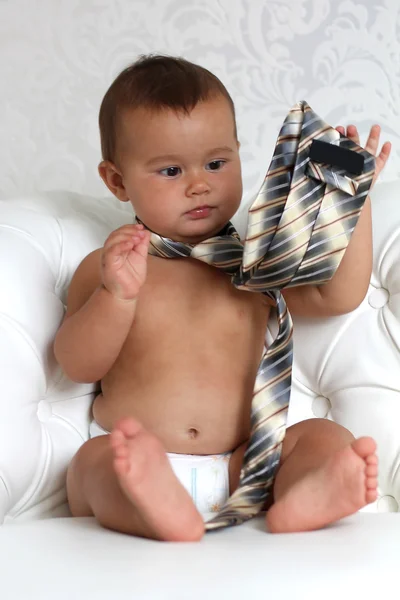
column 57, row 58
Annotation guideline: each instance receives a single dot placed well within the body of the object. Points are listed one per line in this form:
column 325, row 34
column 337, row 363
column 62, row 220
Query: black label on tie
column 337, row 156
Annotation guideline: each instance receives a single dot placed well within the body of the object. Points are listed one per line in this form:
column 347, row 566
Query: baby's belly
column 191, row 410
column 187, row 368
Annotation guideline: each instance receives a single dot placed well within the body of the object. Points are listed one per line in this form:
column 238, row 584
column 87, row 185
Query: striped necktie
column 299, row 226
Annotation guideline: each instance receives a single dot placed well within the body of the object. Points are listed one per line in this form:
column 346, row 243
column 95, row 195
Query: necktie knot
column 224, row 252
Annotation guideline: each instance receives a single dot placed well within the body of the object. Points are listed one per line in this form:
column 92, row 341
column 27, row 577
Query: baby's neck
column 223, row 231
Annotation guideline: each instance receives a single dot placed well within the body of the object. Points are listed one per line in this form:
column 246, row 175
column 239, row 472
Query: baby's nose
column 198, row 185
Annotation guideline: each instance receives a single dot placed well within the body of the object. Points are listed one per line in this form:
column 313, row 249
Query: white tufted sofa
column 346, row 368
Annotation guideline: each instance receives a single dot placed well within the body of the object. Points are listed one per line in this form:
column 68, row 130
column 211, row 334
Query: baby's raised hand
column 124, row 261
column 371, row 145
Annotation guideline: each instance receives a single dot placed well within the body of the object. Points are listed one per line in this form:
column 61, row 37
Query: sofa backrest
column 346, row 368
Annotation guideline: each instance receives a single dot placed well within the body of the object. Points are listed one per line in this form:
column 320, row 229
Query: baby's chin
column 188, row 229
column 195, row 231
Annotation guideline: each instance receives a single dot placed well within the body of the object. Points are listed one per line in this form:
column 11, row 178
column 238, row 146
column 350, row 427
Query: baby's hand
column 124, row 261
column 371, row 145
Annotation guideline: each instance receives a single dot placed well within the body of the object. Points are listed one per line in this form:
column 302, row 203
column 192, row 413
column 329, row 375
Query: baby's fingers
column 373, row 140
column 142, row 245
column 351, row 133
column 123, row 237
column 117, row 252
column 382, row 158
column 125, row 232
column 385, row 152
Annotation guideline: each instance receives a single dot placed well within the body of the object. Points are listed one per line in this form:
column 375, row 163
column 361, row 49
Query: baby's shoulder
column 90, row 267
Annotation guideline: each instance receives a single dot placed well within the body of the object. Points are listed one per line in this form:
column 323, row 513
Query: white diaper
column 205, row 477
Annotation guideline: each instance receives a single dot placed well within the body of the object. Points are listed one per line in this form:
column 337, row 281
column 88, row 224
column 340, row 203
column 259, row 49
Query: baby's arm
column 101, row 305
column 348, row 287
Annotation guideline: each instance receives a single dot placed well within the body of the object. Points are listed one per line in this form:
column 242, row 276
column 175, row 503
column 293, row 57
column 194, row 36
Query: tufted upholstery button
column 378, row 298
column 387, row 504
column 321, row 407
column 44, row 411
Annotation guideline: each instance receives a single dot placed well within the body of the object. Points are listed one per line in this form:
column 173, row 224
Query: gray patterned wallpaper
column 57, row 58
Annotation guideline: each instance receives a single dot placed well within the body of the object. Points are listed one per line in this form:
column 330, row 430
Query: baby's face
column 182, row 173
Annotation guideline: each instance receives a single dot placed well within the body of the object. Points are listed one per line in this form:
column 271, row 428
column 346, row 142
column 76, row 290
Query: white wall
column 57, row 58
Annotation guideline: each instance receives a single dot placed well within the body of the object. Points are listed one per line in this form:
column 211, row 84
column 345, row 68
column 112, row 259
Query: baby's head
column 169, row 146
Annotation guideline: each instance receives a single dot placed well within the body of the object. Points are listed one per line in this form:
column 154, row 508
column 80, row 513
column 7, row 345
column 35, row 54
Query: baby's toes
column 372, row 459
column 365, row 447
column 121, row 464
column 371, row 473
column 371, row 470
column 371, row 483
column 120, row 451
column 371, row 495
column 129, row 427
column 118, row 442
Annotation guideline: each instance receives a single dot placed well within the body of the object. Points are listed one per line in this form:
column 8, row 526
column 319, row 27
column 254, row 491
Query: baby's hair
column 156, row 82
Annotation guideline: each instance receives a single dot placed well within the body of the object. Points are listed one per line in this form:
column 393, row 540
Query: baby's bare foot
column 146, row 477
column 340, row 487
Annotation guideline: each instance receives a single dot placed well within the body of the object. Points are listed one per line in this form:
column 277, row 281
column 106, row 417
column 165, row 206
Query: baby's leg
column 125, row 480
column 325, row 475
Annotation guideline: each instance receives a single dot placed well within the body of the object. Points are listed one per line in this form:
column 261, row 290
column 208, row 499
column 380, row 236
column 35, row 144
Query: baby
column 175, row 345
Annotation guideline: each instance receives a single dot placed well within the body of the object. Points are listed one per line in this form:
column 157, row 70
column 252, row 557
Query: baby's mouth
column 200, row 212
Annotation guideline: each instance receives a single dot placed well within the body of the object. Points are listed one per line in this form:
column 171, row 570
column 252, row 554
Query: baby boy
column 175, row 345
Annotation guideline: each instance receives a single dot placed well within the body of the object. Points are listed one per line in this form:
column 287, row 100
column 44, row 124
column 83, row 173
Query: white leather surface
column 44, row 416
column 346, row 368
column 64, row 559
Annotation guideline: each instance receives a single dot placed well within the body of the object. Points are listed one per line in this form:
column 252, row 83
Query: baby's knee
column 323, row 429
column 84, row 461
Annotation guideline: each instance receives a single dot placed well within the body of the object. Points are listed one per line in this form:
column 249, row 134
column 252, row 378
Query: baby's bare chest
column 189, row 296
column 191, row 357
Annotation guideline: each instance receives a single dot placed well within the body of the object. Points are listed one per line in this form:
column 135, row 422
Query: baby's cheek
column 236, row 185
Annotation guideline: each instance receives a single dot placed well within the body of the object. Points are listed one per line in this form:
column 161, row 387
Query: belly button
column 193, row 433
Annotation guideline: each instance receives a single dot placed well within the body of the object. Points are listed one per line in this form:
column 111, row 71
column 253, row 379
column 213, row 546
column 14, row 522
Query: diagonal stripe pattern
column 298, row 229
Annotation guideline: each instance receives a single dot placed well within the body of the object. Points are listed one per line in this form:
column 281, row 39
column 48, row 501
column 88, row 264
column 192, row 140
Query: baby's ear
column 112, row 177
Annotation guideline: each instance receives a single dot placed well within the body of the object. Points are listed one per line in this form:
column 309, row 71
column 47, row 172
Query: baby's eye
column 215, row 165
column 170, row 171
